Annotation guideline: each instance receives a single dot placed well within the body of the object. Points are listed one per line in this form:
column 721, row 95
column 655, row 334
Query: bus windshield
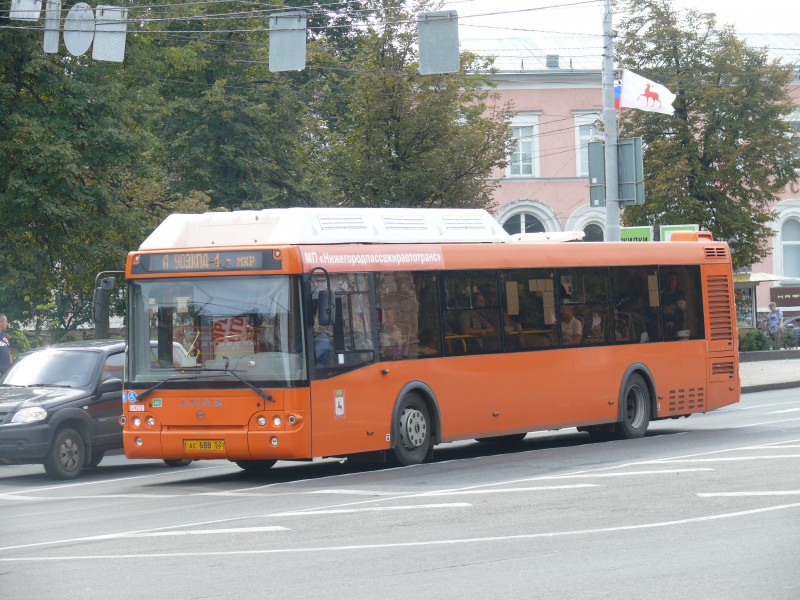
column 185, row 327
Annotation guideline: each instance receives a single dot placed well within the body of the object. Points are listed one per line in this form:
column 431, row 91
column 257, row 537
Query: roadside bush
column 753, row 340
column 789, row 338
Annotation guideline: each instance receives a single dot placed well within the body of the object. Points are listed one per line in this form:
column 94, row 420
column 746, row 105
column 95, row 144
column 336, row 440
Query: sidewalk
column 772, row 374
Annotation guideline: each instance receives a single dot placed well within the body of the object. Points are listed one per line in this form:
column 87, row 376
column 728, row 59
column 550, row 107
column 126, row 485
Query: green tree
column 389, row 136
column 72, row 140
column 726, row 153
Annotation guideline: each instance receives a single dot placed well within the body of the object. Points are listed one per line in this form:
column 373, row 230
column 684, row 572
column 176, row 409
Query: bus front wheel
column 635, row 409
column 413, row 437
column 255, row 466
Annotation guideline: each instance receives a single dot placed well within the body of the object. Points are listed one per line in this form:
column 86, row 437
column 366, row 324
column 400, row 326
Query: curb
column 768, row 387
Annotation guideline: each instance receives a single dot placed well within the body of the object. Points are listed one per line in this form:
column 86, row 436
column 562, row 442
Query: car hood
column 12, row 398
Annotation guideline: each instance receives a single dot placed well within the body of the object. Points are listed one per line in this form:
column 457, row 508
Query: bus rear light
column 273, row 441
column 291, row 419
column 151, row 421
column 276, row 421
column 137, row 421
column 138, row 441
column 262, row 421
column 122, row 420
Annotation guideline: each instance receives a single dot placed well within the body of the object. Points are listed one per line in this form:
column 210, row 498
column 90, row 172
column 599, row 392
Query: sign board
column 438, row 42
column 287, row 41
column 643, row 233
column 630, row 172
column 785, row 295
column 666, row 230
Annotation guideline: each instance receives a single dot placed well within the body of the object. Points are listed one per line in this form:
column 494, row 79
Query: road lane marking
column 764, row 423
column 720, row 459
column 394, row 545
column 348, row 511
column 737, row 494
column 194, row 532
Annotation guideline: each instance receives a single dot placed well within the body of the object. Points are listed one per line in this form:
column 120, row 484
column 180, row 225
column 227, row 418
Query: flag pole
column 610, row 131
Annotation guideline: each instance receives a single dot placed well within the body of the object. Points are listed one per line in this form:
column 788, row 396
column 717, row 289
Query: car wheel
column 67, row 455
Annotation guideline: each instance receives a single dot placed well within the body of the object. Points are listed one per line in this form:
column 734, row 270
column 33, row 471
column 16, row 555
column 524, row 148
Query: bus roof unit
column 277, row 226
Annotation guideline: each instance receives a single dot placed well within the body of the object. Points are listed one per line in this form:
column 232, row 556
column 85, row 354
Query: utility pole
column 610, row 129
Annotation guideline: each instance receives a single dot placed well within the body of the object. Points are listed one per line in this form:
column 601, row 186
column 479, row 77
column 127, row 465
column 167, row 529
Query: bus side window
column 528, row 304
column 347, row 343
column 636, row 305
column 681, row 303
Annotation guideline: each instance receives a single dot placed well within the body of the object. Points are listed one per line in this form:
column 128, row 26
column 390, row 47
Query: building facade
column 557, row 99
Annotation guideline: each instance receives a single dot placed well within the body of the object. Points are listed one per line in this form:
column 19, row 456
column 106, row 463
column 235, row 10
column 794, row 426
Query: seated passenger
column 571, row 327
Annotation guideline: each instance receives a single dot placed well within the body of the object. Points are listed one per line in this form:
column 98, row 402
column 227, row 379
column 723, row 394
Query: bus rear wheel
column 413, row 438
column 635, row 409
column 255, row 466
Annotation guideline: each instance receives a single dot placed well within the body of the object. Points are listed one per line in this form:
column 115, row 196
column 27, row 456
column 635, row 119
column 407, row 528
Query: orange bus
column 301, row 333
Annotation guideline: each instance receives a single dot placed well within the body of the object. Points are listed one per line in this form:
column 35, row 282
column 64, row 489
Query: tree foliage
column 95, row 154
column 726, row 153
column 399, row 138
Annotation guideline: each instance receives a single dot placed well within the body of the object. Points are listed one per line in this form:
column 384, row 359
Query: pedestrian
column 773, row 324
column 5, row 349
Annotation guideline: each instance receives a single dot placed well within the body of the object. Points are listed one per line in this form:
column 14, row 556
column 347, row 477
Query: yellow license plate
column 204, row 445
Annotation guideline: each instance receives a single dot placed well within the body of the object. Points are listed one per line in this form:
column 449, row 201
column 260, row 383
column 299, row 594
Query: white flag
column 641, row 93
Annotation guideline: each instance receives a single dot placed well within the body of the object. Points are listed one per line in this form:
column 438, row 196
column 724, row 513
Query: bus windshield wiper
column 149, row 390
column 233, row 372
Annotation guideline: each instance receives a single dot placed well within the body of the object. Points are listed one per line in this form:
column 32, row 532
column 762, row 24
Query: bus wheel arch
column 416, row 425
column 637, row 403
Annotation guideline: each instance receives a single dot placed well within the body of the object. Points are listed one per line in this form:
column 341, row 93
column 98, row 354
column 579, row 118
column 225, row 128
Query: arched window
column 593, row 233
column 790, row 242
column 523, row 222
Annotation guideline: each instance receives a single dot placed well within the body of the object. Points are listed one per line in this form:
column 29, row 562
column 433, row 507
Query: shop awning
column 755, row 277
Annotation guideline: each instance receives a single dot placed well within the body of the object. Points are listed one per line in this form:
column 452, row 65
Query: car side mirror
column 112, row 384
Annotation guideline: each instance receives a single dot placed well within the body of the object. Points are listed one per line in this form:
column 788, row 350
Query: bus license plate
column 204, row 445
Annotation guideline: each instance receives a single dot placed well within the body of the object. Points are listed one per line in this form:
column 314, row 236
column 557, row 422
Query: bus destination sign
column 180, row 262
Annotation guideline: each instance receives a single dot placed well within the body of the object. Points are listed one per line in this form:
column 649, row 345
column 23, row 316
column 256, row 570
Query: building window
column 593, row 233
column 586, row 130
column 524, row 161
column 790, row 242
column 523, row 223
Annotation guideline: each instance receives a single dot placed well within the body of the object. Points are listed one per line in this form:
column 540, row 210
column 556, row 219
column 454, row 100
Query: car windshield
column 61, row 368
column 188, row 327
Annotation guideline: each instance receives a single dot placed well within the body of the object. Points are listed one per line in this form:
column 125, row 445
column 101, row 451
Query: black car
column 60, row 406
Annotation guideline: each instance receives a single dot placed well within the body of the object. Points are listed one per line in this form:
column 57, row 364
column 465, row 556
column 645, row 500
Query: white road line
column 780, row 412
column 737, row 494
column 353, row 492
column 721, row 459
column 764, row 423
column 347, row 511
column 165, row 473
column 197, row 532
column 446, row 542
column 506, row 490
column 627, row 473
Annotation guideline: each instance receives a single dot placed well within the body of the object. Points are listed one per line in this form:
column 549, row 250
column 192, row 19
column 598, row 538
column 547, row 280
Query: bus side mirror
column 326, row 308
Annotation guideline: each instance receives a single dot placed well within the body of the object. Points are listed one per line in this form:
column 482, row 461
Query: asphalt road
column 706, row 507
